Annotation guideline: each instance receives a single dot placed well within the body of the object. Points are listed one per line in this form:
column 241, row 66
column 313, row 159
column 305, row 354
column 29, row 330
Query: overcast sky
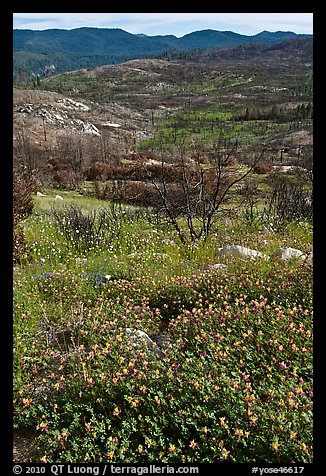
column 177, row 24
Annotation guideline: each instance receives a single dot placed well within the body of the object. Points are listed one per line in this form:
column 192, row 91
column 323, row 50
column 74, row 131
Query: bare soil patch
column 24, row 445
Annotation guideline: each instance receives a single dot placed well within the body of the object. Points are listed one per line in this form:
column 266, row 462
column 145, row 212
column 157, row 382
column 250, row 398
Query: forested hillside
column 54, row 51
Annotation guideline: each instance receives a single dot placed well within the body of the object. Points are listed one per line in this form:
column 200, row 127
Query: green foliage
column 46, row 64
column 211, row 128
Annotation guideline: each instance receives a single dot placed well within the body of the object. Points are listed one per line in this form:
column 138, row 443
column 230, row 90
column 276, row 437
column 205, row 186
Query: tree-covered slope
column 66, row 50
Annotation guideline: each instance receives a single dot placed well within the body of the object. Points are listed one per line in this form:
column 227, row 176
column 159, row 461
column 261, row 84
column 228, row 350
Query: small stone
column 218, row 266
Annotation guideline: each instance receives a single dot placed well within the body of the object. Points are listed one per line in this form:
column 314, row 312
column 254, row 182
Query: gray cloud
column 169, row 23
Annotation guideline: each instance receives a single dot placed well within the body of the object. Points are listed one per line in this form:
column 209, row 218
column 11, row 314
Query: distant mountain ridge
column 34, row 50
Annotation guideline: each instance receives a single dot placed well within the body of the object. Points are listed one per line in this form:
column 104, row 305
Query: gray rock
column 156, row 344
column 218, row 266
column 240, row 252
column 162, row 340
column 137, row 335
column 265, row 230
column 289, row 253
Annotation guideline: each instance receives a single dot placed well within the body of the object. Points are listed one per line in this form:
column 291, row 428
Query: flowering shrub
column 233, row 383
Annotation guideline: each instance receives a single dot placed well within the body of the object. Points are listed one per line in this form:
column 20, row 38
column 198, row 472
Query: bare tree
column 250, row 199
column 28, row 157
column 70, row 149
column 202, row 184
column 288, row 201
column 306, row 166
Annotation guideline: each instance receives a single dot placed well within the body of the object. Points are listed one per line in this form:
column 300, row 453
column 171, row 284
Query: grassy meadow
column 234, row 379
